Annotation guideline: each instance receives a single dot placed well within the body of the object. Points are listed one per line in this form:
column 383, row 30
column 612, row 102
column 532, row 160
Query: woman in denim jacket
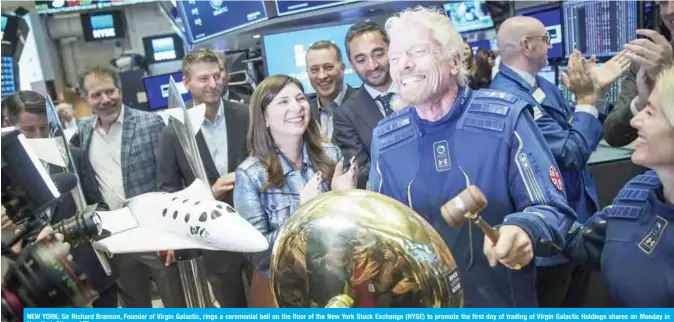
column 288, row 165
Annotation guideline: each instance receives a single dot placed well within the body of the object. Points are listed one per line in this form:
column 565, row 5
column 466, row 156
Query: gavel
column 466, row 206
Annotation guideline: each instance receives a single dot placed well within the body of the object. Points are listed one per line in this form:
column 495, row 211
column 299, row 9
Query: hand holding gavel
column 515, row 249
column 466, row 206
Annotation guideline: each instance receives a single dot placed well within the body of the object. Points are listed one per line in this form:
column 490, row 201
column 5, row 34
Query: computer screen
column 207, row 19
column 611, row 96
column 551, row 17
column 162, row 48
column 480, row 44
column 290, row 7
column 599, row 27
column 8, row 76
column 100, row 26
column 62, row 6
column 157, row 89
column 469, row 15
column 4, row 23
column 285, row 53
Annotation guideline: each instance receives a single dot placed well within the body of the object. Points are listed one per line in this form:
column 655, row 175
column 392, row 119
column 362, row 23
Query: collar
column 287, row 167
column 120, row 118
column 374, row 92
column 531, row 80
column 338, row 100
column 219, row 115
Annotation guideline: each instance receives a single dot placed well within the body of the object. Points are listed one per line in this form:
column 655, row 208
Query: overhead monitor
column 469, row 15
column 208, row 19
column 285, row 53
column 551, row 16
column 290, row 7
column 4, row 23
column 612, row 94
column 599, row 28
column 9, row 76
column 163, row 48
column 157, row 89
column 62, row 6
column 480, row 44
column 102, row 25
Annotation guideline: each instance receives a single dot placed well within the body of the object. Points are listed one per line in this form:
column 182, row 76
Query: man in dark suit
column 121, row 144
column 325, row 68
column 222, row 146
column 367, row 47
column 26, row 110
column 650, row 54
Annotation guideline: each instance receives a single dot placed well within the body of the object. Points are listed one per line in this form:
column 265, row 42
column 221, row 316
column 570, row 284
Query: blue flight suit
column 571, row 136
column 632, row 241
column 488, row 140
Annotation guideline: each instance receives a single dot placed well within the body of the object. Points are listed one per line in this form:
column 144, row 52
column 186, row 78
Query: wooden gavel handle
column 487, row 229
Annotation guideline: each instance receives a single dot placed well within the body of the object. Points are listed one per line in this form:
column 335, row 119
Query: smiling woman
column 637, row 227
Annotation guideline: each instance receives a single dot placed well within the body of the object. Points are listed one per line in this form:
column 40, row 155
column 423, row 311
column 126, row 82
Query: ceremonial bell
column 358, row 248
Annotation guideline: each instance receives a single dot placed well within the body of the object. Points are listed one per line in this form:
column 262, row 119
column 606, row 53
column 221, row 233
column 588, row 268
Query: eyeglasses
column 546, row 38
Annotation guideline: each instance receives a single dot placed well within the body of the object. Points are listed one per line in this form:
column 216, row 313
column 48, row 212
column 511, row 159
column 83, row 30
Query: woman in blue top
column 288, row 165
column 632, row 240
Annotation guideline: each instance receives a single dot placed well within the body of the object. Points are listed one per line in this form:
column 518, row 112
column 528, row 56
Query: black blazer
column 354, row 122
column 83, row 253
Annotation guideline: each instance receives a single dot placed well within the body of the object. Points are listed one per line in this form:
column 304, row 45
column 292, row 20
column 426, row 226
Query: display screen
column 551, row 17
column 289, row 7
column 612, row 95
column 4, row 23
column 480, row 44
column 157, row 89
column 549, row 73
column 285, row 53
column 207, row 19
column 469, row 15
column 163, row 49
column 599, row 28
column 59, row 6
column 8, row 76
column 103, row 26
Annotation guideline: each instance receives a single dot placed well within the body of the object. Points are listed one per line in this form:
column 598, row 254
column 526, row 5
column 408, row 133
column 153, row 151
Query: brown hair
column 261, row 143
column 199, row 56
column 98, row 71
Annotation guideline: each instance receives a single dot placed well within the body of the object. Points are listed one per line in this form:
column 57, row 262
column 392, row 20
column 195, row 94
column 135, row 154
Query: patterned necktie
column 385, row 101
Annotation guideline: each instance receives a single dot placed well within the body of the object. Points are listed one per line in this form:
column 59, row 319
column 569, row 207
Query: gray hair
column 442, row 30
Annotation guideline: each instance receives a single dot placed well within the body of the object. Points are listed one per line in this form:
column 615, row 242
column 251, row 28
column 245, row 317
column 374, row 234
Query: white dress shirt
column 374, row 93
column 215, row 135
column 105, row 154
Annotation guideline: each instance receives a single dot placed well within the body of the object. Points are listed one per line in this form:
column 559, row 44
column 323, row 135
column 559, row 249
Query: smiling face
column 288, row 114
column 326, row 72
column 655, row 144
column 418, row 66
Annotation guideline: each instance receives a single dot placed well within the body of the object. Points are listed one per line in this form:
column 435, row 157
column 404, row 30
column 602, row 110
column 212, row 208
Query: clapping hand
column 654, row 53
column 579, row 78
column 606, row 74
column 347, row 180
column 312, row 188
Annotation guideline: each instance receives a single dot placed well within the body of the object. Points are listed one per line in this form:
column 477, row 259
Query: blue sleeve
column 374, row 179
column 543, row 210
column 248, row 204
column 585, row 243
column 571, row 147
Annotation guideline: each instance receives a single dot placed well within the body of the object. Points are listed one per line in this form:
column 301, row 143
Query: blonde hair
column 442, row 30
column 665, row 86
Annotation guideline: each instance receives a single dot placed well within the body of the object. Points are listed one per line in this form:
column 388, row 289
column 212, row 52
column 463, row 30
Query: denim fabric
column 269, row 209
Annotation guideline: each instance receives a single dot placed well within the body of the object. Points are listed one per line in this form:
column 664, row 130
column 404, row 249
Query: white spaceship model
column 188, row 219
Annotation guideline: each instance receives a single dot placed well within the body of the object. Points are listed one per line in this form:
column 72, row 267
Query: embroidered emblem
column 556, row 178
column 441, row 153
column 651, row 240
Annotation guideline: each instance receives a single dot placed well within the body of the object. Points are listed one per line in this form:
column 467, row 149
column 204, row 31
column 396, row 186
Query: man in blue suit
column 572, row 132
column 450, row 137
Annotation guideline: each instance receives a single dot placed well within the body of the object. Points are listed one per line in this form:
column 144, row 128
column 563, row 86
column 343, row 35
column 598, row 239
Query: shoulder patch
column 646, row 180
column 484, row 124
column 502, row 96
column 396, row 137
column 487, row 108
column 393, row 124
column 638, row 195
column 625, row 212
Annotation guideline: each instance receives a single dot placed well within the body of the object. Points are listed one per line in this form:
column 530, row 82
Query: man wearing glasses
column 572, row 132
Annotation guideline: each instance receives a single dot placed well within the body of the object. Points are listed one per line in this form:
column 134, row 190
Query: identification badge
column 537, row 113
column 651, row 240
column 539, row 96
column 441, row 153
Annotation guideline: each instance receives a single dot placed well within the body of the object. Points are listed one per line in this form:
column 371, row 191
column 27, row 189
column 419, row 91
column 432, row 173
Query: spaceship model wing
column 140, row 239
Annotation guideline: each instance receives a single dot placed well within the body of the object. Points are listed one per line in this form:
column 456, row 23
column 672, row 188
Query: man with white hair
column 450, row 137
column 572, row 132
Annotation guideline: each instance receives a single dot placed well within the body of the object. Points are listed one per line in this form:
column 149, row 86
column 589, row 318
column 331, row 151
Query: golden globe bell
column 357, row 248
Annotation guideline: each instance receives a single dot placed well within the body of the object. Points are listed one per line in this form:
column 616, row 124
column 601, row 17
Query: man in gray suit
column 122, row 145
column 325, row 68
column 650, row 55
column 221, row 141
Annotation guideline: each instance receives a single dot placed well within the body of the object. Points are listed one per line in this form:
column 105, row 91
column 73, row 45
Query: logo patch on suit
column 537, row 113
column 441, row 154
column 556, row 178
column 651, row 240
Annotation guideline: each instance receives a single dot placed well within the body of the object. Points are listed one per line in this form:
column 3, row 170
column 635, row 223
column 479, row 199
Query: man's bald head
column 512, row 31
